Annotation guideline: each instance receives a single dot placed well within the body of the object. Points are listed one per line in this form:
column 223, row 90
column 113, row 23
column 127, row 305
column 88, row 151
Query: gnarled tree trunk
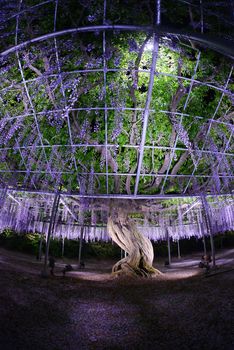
column 139, row 249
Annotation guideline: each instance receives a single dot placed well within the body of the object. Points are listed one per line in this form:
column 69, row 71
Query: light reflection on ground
column 183, row 268
column 89, row 309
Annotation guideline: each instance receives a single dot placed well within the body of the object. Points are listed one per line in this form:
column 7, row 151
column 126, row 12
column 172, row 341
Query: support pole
column 201, row 230
column 209, row 227
column 41, row 241
column 168, row 247
column 178, row 249
column 50, row 231
column 80, row 246
column 204, row 242
column 63, row 247
column 40, row 246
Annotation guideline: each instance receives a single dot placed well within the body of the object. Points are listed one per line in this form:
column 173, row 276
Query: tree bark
column 140, row 254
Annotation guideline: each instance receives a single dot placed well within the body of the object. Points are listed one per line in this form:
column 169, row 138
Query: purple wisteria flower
column 92, row 18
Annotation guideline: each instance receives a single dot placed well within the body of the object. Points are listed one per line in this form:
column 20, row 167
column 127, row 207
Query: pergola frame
column 157, row 32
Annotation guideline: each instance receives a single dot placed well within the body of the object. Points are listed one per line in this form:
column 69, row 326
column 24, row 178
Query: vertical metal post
column 50, row 231
column 201, row 230
column 80, row 245
column 168, row 246
column 204, row 242
column 63, row 243
column 40, row 245
column 178, row 249
column 209, row 227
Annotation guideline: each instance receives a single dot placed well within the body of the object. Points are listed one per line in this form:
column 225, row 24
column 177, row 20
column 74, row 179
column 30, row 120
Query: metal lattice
column 82, row 100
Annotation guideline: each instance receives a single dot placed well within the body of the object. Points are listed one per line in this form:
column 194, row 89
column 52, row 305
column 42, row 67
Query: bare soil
column 89, row 309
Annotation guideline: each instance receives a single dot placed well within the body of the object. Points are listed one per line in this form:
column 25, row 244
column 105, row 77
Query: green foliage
column 27, row 243
column 224, row 241
column 56, row 247
column 71, row 248
column 101, row 250
column 187, row 246
column 70, row 107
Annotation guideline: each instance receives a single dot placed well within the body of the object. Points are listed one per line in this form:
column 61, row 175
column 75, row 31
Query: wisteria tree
column 109, row 98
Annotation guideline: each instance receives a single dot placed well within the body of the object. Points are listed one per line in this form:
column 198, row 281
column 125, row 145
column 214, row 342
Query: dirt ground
column 89, row 309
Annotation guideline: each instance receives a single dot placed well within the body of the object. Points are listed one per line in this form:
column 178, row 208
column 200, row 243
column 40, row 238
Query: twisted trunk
column 139, row 249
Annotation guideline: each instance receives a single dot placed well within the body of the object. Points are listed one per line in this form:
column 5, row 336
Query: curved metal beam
column 223, row 46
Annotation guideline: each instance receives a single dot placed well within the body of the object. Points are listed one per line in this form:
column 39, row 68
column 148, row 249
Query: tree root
column 123, row 268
